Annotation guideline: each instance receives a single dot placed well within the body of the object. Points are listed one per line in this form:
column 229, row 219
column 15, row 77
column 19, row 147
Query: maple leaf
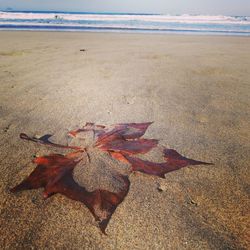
column 55, row 172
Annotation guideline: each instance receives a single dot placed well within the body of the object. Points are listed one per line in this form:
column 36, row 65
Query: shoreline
column 137, row 31
column 195, row 34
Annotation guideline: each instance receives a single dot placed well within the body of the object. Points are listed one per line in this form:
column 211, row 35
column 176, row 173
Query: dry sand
column 196, row 89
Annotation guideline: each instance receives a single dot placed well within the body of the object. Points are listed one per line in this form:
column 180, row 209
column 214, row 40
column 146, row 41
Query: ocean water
column 65, row 21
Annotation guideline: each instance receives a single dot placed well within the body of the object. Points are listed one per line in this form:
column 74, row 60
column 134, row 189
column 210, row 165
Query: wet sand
column 196, row 89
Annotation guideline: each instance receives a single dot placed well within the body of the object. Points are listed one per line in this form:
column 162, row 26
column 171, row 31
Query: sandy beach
column 196, row 89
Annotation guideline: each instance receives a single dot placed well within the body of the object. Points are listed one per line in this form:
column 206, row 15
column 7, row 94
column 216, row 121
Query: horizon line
column 119, row 13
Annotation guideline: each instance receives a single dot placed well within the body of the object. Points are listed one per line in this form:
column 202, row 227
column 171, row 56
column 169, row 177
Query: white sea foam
column 147, row 18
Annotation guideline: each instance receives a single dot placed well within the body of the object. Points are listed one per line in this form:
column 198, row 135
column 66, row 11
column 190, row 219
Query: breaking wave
column 125, row 22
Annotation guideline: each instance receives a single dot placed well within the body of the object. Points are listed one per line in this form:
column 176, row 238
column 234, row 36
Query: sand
column 196, row 89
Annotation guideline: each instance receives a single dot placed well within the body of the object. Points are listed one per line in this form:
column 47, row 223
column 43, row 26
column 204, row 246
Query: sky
column 207, row 7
